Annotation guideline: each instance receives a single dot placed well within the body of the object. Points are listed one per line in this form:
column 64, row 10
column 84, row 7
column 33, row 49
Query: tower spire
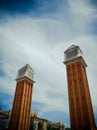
column 80, row 105
column 72, row 54
column 22, row 99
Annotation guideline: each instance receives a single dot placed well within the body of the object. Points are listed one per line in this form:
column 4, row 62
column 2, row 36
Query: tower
column 22, row 100
column 80, row 106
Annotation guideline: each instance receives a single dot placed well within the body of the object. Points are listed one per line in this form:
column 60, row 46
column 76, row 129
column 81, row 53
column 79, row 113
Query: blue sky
column 38, row 32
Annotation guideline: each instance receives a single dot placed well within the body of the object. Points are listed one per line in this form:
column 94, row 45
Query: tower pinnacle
column 26, row 72
column 80, row 105
column 20, row 116
column 73, row 53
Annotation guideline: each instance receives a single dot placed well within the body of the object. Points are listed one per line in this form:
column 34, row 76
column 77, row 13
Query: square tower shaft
column 80, row 106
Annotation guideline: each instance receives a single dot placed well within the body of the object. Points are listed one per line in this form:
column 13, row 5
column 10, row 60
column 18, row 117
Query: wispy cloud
column 40, row 40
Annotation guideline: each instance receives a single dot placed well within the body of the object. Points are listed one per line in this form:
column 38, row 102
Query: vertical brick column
column 81, row 111
column 20, row 117
column 21, row 106
column 80, row 105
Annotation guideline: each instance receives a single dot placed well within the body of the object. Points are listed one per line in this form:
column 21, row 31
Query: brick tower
column 80, row 106
column 22, row 99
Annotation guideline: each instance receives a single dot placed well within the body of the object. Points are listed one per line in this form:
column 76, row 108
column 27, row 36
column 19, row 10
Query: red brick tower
column 80, row 106
column 22, row 99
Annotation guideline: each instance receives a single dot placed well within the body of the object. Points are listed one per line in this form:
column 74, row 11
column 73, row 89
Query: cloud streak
column 41, row 41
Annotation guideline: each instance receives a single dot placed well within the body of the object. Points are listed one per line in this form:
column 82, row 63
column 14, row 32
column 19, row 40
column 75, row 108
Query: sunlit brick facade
column 22, row 100
column 80, row 106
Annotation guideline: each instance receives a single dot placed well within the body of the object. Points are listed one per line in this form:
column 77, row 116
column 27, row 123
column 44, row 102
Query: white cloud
column 41, row 43
column 34, row 49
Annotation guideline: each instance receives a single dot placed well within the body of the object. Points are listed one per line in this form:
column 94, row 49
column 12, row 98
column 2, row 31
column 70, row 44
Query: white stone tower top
column 26, row 72
column 73, row 53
